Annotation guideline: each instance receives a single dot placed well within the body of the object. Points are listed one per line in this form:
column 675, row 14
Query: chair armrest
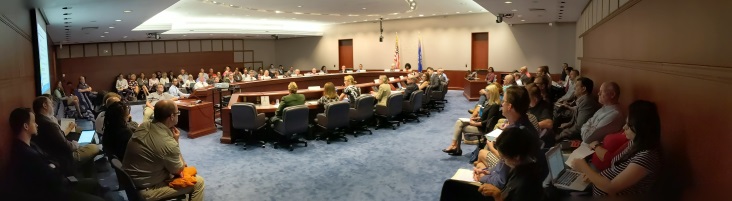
column 382, row 110
column 260, row 120
column 321, row 119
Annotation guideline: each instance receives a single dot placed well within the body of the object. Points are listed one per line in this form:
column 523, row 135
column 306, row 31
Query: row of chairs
column 338, row 119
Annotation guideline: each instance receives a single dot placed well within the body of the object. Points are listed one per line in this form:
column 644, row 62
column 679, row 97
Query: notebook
column 493, row 135
column 581, row 152
column 465, row 175
column 64, row 122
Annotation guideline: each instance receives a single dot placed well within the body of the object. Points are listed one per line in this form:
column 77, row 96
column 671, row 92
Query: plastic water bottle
column 480, row 111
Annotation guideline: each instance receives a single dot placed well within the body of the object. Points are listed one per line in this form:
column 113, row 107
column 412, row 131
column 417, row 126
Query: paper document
column 65, row 123
column 581, row 152
column 493, row 134
column 464, row 119
column 464, row 175
column 312, row 102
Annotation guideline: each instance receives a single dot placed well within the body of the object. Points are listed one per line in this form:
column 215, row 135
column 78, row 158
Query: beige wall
column 446, row 43
column 264, row 50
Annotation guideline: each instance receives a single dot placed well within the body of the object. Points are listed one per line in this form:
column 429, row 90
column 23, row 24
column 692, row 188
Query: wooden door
column 479, row 51
column 345, row 53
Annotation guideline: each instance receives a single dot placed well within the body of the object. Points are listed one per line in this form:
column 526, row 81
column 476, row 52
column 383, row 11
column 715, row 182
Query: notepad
column 493, row 134
column 264, row 100
column 65, row 122
column 463, row 175
column 391, row 79
column 313, row 87
column 464, row 119
column 581, row 152
column 349, row 71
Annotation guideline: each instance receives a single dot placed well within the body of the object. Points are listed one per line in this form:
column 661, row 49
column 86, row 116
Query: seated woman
column 329, row 94
column 384, row 90
column 164, row 79
column 117, row 130
column 351, row 91
column 123, row 87
column 524, row 182
column 291, row 99
column 477, row 124
column 611, row 146
column 635, row 170
column 69, row 100
column 143, row 82
column 135, row 87
column 425, row 81
column 152, row 82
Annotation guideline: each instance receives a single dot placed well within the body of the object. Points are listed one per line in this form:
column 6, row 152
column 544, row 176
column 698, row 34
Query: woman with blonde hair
column 478, row 123
column 384, row 90
column 351, row 91
column 291, row 99
column 329, row 94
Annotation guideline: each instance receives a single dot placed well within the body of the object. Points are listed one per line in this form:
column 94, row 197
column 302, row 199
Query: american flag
column 396, row 52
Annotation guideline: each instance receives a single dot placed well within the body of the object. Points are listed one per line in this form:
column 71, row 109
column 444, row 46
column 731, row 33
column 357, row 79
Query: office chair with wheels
column 388, row 114
column 244, row 117
column 294, row 122
column 334, row 121
column 362, row 113
column 411, row 107
column 438, row 98
column 426, row 102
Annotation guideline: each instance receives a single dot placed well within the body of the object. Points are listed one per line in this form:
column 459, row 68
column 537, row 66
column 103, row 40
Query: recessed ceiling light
column 514, row 10
column 277, row 11
column 124, row 36
column 127, row 11
column 410, row 16
column 523, row 20
column 434, row 14
column 101, row 36
column 421, row 15
column 507, row 2
column 118, row 20
column 299, row 6
column 363, row 8
column 294, row 18
column 457, row 12
column 470, row 11
column 106, row 32
column 111, row 27
column 215, row 2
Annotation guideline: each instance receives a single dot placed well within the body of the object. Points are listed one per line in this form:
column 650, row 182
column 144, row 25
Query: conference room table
column 275, row 89
column 196, row 118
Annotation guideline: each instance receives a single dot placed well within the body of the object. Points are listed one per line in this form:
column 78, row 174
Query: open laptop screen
column 556, row 162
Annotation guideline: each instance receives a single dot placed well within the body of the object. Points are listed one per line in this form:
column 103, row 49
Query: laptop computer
column 86, row 137
column 561, row 176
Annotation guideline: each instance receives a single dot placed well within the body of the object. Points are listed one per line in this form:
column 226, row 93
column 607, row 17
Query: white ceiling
column 535, row 11
column 197, row 19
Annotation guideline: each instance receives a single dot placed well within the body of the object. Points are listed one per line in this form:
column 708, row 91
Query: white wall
column 446, row 43
column 264, row 51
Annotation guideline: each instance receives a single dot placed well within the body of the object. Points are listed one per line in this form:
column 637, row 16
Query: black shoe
column 448, row 150
column 457, row 152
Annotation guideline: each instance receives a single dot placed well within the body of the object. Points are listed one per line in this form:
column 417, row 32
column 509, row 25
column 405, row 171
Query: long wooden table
column 253, row 91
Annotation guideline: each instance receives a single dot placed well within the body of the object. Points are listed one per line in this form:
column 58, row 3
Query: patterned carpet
column 402, row 164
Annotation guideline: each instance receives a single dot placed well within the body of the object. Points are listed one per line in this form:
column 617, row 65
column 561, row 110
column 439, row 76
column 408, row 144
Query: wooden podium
column 472, row 87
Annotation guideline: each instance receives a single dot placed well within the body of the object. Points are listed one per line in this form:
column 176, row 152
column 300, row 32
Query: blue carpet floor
column 402, row 164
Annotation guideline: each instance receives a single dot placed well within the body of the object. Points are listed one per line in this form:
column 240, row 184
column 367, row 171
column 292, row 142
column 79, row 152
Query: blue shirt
column 173, row 90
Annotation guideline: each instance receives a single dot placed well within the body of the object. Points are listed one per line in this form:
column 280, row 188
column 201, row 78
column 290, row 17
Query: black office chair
column 388, row 114
column 362, row 113
column 411, row 106
column 438, row 98
column 294, row 122
column 426, row 102
column 244, row 117
column 334, row 121
column 126, row 183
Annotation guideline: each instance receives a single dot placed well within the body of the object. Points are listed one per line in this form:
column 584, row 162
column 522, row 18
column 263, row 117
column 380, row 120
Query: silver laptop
column 563, row 177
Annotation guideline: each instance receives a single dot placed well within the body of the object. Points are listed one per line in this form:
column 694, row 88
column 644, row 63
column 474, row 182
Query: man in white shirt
column 443, row 76
column 200, row 83
column 569, row 85
column 174, row 91
column 183, row 75
column 608, row 118
column 152, row 99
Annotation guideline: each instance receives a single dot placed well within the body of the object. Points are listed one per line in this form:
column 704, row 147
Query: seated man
column 52, row 140
column 108, row 99
column 411, row 87
column 153, row 156
column 69, row 100
column 608, row 118
column 200, row 82
column 153, row 99
column 174, row 91
column 30, row 175
column 85, row 93
column 587, row 105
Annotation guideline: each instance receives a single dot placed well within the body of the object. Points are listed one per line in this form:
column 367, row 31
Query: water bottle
column 480, row 111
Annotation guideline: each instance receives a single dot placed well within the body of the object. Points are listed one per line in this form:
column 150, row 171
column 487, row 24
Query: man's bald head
column 164, row 109
column 509, row 79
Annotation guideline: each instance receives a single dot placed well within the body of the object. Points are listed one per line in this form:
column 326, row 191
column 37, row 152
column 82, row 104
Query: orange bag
column 187, row 178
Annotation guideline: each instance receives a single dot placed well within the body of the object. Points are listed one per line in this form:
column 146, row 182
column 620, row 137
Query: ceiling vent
column 537, row 10
column 89, row 28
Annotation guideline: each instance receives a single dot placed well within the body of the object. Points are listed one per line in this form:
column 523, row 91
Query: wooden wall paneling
column 457, row 79
column 106, row 49
column 195, row 45
column 146, row 48
column 90, row 50
column 183, row 46
column 132, row 48
column 62, row 51
column 205, row 45
column 238, row 45
column 158, row 47
column 171, row 46
column 216, row 45
column 228, row 45
column 115, row 49
column 77, row 51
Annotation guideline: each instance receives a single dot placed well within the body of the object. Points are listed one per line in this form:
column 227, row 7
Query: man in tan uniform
column 153, row 156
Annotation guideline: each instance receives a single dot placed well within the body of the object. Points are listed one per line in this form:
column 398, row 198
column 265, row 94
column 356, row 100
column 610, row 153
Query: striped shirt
column 648, row 159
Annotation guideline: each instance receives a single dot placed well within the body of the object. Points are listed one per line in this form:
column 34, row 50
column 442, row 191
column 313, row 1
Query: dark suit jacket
column 290, row 100
column 490, row 117
column 410, row 88
column 52, row 140
column 30, row 176
column 587, row 105
column 526, row 80
column 435, row 82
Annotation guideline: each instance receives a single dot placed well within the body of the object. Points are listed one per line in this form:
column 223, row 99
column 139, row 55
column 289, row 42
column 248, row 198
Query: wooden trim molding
column 15, row 27
column 721, row 74
column 610, row 16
